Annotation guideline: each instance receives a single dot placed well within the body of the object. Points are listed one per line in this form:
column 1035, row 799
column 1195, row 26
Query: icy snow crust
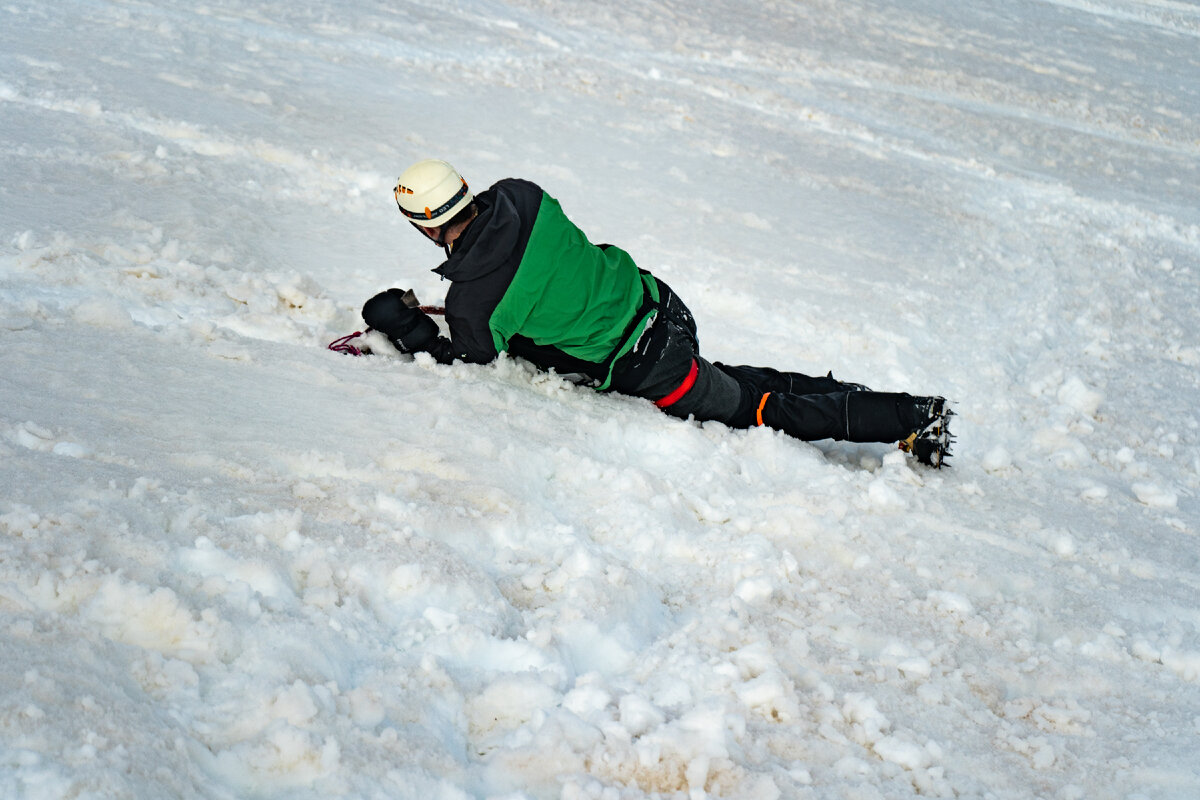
column 233, row 564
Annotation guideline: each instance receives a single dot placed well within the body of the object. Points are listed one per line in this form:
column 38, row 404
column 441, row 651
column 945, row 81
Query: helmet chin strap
column 444, row 229
column 439, row 240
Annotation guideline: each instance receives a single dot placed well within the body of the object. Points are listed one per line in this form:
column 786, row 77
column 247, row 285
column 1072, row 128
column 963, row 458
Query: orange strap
column 761, row 405
column 680, row 390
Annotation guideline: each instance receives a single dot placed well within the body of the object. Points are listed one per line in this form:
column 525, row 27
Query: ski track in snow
column 233, row 564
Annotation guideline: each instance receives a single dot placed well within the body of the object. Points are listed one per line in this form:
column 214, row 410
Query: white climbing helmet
column 431, row 192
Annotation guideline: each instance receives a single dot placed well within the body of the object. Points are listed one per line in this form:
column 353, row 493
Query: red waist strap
column 680, row 390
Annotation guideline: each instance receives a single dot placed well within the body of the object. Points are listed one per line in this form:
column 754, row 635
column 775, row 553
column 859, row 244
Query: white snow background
column 234, row 564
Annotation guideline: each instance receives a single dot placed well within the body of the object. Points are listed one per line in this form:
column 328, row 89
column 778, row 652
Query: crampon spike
column 930, row 445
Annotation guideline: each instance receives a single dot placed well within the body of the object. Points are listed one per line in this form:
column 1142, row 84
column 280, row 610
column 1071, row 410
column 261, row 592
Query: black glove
column 410, row 329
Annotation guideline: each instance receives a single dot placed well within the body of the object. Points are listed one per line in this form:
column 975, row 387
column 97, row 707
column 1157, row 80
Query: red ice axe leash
column 343, row 344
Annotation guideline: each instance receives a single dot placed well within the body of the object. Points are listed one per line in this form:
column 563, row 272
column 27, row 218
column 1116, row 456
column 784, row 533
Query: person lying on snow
column 525, row 280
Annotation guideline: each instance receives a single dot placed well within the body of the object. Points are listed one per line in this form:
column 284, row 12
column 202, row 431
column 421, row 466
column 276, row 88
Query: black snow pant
column 667, row 368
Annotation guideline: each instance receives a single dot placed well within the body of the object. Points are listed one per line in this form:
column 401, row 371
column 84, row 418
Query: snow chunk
column 508, row 703
column 1075, row 394
column 71, row 450
column 770, row 695
column 588, row 696
column 1063, row 544
column 638, row 715
column 207, row 560
column 1185, row 664
column 884, row 496
column 867, row 722
column 915, row 667
column 1155, row 496
column 902, row 752
column 754, row 590
column 283, row 757
column 593, row 650
column 998, row 459
column 155, row 619
column 951, row 603
column 1043, row 757
column 31, row 436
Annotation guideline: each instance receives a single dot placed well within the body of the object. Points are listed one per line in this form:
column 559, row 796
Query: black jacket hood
column 497, row 224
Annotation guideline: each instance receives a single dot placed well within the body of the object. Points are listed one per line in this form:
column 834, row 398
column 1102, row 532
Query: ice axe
column 410, row 299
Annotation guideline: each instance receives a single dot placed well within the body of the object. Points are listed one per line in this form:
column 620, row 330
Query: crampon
column 930, row 444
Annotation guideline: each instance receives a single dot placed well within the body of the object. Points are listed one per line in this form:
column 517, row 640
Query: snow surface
column 234, row 564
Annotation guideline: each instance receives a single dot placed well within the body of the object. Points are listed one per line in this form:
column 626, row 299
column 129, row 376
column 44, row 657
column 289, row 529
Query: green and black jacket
column 527, row 281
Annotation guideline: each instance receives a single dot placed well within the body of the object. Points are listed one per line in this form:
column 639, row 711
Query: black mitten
column 410, row 329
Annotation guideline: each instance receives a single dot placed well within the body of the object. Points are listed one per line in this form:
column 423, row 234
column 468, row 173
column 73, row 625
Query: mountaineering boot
column 931, row 444
column 919, row 424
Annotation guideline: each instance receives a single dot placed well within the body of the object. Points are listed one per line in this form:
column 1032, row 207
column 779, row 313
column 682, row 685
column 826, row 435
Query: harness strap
column 649, row 307
column 680, row 390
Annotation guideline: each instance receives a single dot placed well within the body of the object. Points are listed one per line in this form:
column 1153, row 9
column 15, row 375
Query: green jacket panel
column 570, row 294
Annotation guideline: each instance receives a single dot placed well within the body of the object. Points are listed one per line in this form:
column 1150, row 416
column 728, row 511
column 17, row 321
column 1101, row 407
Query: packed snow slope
column 234, row 564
